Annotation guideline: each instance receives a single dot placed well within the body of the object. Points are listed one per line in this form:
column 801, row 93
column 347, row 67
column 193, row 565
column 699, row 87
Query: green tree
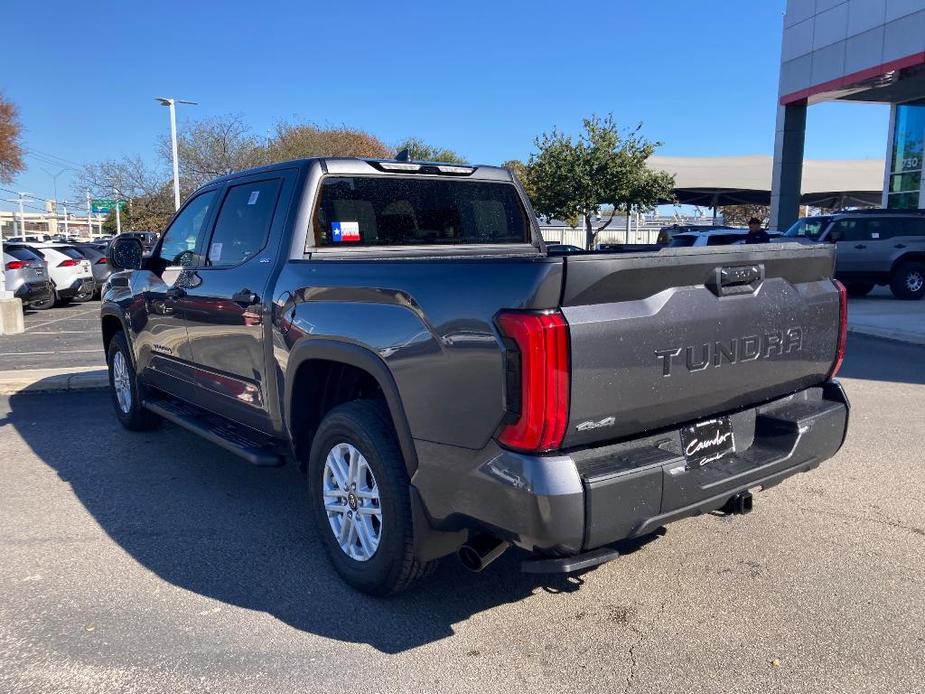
column 11, row 150
column 603, row 166
column 738, row 215
column 421, row 151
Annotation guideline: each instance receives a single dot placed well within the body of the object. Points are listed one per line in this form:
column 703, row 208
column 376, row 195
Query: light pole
column 54, row 182
column 171, row 104
column 115, row 193
column 67, row 235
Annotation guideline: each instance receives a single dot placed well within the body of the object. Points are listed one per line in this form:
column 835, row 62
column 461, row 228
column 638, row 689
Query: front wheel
column 124, row 389
column 908, row 281
column 359, row 499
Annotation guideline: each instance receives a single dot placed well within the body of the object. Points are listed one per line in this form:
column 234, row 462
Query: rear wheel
column 359, row 499
column 908, row 281
column 44, row 304
column 84, row 294
column 124, row 388
column 859, row 288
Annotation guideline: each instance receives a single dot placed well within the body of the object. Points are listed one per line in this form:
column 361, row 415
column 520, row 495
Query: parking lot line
column 58, row 320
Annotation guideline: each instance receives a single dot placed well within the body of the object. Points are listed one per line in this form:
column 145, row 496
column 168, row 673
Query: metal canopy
column 720, row 181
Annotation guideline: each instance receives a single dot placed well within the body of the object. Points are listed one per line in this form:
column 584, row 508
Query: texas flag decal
column 345, row 231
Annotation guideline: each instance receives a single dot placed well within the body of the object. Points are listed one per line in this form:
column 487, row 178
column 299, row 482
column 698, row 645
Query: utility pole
column 22, row 219
column 115, row 194
column 171, row 104
column 67, row 235
column 89, row 217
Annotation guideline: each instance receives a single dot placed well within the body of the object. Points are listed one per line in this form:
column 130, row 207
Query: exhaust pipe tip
column 480, row 551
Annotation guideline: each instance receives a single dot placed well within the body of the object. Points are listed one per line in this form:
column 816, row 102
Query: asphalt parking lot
column 157, row 562
column 61, row 336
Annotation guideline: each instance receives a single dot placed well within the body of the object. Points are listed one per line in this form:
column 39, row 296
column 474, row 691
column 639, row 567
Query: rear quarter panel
column 430, row 321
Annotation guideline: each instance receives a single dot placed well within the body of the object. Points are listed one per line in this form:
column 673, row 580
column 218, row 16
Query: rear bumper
column 31, row 293
column 81, row 284
column 588, row 498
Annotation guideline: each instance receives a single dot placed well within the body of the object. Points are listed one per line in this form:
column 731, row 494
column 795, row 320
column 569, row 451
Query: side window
column 881, row 229
column 243, row 223
column 182, row 235
column 850, row 230
column 913, row 227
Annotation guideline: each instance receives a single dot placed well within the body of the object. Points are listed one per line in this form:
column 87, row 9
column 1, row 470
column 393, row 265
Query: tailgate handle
column 736, row 279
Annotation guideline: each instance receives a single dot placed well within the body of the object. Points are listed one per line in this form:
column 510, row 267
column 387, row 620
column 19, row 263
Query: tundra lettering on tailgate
column 736, row 350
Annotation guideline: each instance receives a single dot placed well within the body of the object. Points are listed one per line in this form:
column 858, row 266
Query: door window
column 182, row 235
column 850, row 230
column 243, row 224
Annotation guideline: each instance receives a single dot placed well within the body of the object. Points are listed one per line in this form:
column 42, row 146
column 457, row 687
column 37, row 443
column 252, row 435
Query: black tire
column 83, row 297
column 908, row 281
column 133, row 417
column 43, row 305
column 366, row 425
column 859, row 288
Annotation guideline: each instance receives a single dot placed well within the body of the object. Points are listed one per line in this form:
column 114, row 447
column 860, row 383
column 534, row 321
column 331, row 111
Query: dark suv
column 875, row 247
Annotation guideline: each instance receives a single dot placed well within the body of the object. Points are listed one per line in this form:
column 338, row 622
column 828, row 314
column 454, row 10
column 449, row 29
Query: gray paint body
column 421, row 321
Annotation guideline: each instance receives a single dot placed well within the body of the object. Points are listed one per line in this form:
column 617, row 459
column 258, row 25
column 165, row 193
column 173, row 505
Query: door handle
column 860, row 245
column 900, row 245
column 245, row 297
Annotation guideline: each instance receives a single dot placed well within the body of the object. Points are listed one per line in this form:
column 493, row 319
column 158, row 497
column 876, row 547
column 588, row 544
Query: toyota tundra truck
column 398, row 330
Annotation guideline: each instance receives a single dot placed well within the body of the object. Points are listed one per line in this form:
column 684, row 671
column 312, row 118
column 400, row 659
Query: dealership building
column 852, row 50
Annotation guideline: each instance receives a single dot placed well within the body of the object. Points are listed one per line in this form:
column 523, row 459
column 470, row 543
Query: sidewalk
column 60, row 379
column 881, row 315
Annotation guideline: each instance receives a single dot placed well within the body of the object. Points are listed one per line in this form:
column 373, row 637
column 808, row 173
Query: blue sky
column 483, row 78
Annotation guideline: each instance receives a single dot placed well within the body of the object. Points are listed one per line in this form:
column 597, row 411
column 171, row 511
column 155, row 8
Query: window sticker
column 252, row 200
column 875, row 235
column 345, row 232
column 215, row 252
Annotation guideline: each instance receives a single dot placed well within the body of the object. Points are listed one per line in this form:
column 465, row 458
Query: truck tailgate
column 663, row 338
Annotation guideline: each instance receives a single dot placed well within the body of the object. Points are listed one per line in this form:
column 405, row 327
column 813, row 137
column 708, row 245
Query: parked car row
column 47, row 273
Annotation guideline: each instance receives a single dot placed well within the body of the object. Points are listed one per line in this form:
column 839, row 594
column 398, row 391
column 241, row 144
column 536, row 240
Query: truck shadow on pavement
column 877, row 359
column 209, row 523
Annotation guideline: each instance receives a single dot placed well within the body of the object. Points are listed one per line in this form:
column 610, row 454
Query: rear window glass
column 21, row 253
column 680, row 241
column 403, row 211
column 70, row 252
column 725, row 239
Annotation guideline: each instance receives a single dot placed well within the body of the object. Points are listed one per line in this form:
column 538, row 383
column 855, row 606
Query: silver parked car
column 99, row 265
column 69, row 271
column 27, row 278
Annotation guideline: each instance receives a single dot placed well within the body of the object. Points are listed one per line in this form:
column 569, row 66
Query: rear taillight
column 101, row 261
column 842, row 328
column 16, row 265
column 70, row 262
column 537, row 369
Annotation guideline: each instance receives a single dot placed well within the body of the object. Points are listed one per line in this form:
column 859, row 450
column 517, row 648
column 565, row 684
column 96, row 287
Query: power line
column 47, row 155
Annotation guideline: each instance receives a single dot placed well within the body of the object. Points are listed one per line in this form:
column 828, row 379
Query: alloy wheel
column 351, row 502
column 121, row 382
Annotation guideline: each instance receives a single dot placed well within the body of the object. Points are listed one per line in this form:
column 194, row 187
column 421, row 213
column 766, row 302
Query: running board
column 254, row 448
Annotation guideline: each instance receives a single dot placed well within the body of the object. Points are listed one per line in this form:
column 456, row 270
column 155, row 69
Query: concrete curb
column 53, row 380
column 905, row 337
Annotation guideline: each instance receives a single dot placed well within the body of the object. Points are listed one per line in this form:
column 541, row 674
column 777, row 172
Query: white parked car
column 713, row 237
column 69, row 271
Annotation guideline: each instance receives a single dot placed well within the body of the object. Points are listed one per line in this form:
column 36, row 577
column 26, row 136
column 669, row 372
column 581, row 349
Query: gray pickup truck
column 399, row 331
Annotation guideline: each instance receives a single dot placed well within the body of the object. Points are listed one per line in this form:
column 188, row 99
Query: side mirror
column 125, row 253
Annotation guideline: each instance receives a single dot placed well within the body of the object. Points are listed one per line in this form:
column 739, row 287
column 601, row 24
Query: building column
column 787, row 174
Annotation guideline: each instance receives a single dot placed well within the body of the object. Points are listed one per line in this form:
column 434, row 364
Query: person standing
column 755, row 233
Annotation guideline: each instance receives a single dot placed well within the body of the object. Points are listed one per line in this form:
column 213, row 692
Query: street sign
column 106, row 205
